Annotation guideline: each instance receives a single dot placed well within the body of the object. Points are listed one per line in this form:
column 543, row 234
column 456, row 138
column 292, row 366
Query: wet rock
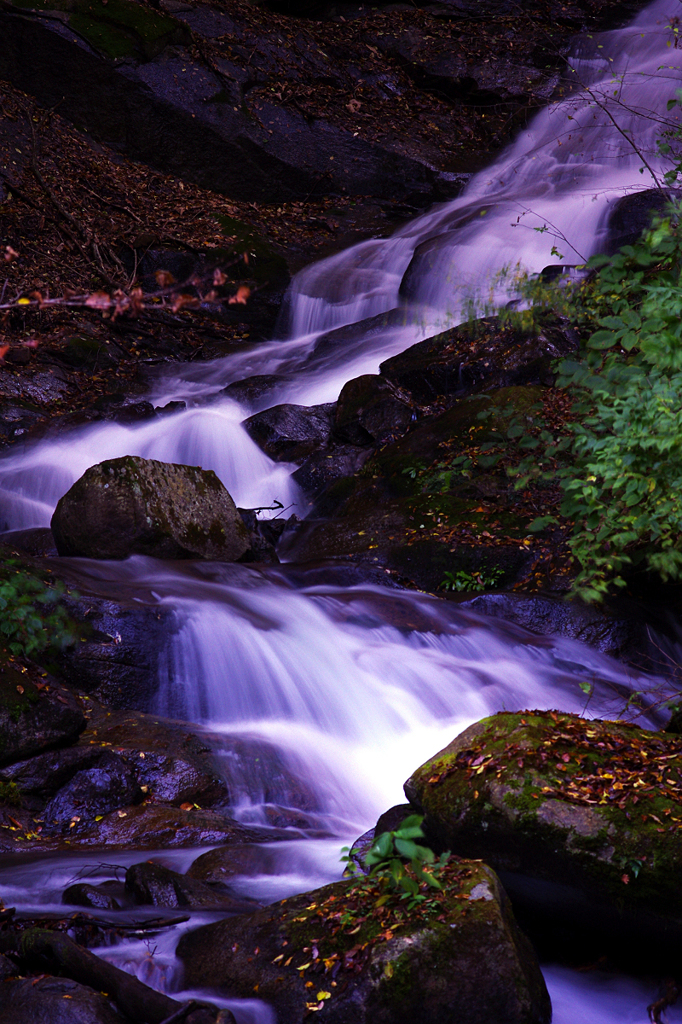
column 256, row 390
column 264, row 535
column 17, row 418
column 329, row 464
column 83, row 895
column 626, row 639
column 40, row 777
column 117, row 659
column 133, row 505
column 151, row 883
column 7, row 968
column 34, row 719
column 172, row 762
column 492, row 355
column 470, row 963
column 220, row 866
column 47, row 1000
column 581, row 819
column 92, row 793
column 37, row 541
column 263, row 774
column 369, row 409
column 151, row 826
column 290, row 433
column 175, row 780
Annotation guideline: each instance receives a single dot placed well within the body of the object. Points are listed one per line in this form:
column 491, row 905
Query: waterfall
column 358, row 685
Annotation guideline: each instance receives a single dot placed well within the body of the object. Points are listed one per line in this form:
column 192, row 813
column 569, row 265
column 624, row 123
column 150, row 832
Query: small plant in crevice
column 484, row 579
column 400, row 867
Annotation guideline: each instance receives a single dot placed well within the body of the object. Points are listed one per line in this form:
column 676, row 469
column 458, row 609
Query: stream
column 359, row 684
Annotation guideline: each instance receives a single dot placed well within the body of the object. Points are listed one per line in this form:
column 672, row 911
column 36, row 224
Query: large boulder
column 370, row 409
column 581, row 818
column 460, row 957
column 140, row 506
column 290, row 433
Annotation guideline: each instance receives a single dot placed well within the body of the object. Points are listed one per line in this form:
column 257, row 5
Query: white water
column 360, row 685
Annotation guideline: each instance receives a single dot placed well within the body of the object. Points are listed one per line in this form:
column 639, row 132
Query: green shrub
column 402, row 866
column 31, row 618
column 623, row 484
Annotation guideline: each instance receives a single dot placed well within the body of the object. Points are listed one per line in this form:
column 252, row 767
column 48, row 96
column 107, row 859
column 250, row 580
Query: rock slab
column 140, row 506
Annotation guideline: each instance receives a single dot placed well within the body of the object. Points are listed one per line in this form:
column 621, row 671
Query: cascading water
column 358, row 685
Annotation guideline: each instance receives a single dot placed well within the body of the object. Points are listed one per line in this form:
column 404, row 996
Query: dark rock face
column 461, row 361
column 92, row 792
column 369, row 410
column 50, row 1000
column 32, row 719
column 631, row 215
column 329, row 464
column 620, row 638
column 472, row 965
column 83, row 895
column 184, row 116
column 140, row 506
column 553, row 808
column 290, row 433
column 154, row 884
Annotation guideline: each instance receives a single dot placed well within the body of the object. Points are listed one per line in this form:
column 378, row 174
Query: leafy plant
column 401, row 865
column 481, row 580
column 31, row 618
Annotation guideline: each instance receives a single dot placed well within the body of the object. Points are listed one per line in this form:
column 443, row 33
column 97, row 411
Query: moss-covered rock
column 140, row 506
column 116, row 28
column 583, row 816
column 459, row 957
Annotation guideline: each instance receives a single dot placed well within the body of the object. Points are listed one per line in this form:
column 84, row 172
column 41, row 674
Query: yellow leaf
column 27, row 302
column 323, row 995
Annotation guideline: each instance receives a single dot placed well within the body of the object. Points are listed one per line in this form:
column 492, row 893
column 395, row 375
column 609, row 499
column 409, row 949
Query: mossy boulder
column 583, row 819
column 459, row 957
column 140, row 506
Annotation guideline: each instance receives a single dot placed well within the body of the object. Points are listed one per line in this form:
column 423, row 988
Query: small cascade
column 357, row 686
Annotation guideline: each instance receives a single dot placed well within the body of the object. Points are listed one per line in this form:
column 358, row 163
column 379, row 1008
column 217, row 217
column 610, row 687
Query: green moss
column 10, row 794
column 263, row 265
column 117, row 28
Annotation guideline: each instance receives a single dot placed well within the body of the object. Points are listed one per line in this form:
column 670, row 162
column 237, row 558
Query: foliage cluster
column 401, row 865
column 32, row 619
column 622, row 486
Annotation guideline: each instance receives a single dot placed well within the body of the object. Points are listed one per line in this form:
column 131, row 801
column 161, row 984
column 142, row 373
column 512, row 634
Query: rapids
column 359, row 684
